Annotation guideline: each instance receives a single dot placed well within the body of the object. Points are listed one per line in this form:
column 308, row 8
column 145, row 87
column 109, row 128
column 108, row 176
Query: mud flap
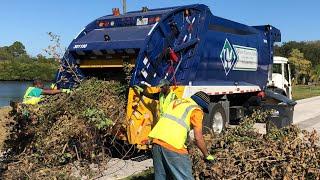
column 283, row 108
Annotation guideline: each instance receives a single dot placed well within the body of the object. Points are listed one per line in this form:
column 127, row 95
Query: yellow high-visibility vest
column 165, row 101
column 174, row 124
column 27, row 99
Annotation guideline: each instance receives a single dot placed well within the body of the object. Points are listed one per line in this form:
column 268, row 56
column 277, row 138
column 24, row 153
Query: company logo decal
column 228, row 56
column 238, row 58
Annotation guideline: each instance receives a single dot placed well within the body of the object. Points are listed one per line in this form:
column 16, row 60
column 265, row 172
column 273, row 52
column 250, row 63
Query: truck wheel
column 216, row 119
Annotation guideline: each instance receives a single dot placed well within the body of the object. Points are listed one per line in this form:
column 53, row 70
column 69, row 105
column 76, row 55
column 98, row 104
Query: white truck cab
column 280, row 80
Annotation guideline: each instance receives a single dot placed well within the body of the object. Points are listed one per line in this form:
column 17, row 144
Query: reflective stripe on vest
column 30, row 99
column 28, row 91
column 165, row 101
column 181, row 120
column 174, row 123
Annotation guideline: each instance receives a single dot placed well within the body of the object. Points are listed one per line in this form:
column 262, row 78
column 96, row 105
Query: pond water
column 12, row 90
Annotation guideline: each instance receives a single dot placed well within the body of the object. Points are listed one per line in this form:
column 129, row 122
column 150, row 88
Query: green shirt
column 35, row 92
column 32, row 95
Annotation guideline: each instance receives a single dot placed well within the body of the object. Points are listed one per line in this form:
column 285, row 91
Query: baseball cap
column 163, row 82
column 202, row 99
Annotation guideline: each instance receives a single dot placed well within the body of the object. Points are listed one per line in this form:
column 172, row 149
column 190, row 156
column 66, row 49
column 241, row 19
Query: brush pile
column 242, row 153
column 48, row 139
column 65, row 128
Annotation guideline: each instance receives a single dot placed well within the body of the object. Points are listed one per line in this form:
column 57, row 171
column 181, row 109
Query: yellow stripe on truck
column 102, row 63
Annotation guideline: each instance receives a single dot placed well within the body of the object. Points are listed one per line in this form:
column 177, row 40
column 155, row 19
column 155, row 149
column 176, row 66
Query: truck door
column 287, row 77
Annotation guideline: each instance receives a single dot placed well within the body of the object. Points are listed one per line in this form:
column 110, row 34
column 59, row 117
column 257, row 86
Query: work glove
column 210, row 159
column 138, row 88
column 53, row 86
column 66, row 91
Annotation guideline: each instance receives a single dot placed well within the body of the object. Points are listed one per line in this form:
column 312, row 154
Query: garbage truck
column 187, row 45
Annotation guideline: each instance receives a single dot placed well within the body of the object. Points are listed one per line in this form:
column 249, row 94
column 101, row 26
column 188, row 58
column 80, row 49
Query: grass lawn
column 145, row 175
column 304, row 91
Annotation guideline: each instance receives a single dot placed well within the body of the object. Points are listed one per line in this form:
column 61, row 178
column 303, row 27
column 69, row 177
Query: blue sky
column 29, row 20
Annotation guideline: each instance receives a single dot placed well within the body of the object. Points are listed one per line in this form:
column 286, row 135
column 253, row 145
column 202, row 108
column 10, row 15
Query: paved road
column 307, row 114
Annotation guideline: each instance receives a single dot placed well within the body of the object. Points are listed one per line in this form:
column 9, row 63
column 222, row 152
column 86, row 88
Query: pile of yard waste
column 65, row 128
column 67, row 135
column 242, row 153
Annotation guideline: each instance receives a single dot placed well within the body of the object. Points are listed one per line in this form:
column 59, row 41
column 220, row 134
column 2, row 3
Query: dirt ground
column 3, row 121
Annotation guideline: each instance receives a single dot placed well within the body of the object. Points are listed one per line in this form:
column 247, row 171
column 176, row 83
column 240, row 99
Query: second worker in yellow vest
column 34, row 94
column 165, row 96
column 170, row 156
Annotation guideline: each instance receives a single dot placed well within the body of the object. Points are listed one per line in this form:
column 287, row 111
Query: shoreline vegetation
column 17, row 65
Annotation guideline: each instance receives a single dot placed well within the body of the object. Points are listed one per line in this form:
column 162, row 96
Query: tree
column 17, row 49
column 310, row 49
column 55, row 50
column 301, row 65
column 4, row 54
column 316, row 75
column 41, row 57
column 16, row 64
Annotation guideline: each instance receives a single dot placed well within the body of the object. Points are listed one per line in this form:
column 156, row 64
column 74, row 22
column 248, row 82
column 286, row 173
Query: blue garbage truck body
column 211, row 50
column 188, row 45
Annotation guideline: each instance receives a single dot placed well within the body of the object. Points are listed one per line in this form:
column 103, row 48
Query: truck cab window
column 276, row 68
column 286, row 72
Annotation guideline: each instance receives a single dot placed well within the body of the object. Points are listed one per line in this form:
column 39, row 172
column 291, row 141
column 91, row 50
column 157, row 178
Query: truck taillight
column 116, row 11
column 261, row 94
column 103, row 23
column 153, row 20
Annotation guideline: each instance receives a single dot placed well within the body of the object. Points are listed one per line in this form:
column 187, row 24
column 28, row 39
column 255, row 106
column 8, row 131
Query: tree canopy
column 304, row 57
column 310, row 49
column 301, row 65
column 16, row 64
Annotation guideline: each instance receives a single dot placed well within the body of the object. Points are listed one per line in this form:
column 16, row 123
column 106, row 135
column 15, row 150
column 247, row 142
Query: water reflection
column 12, row 90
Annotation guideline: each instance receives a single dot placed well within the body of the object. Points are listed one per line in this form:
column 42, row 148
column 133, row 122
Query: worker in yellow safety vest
column 33, row 95
column 165, row 96
column 169, row 135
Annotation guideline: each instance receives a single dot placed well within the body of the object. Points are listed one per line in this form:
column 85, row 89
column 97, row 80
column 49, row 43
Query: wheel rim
column 217, row 122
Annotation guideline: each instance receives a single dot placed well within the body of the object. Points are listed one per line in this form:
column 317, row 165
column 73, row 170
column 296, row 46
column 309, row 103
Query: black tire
column 216, row 114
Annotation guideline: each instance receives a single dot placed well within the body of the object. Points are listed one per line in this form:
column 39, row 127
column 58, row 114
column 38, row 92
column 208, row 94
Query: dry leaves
column 242, row 153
